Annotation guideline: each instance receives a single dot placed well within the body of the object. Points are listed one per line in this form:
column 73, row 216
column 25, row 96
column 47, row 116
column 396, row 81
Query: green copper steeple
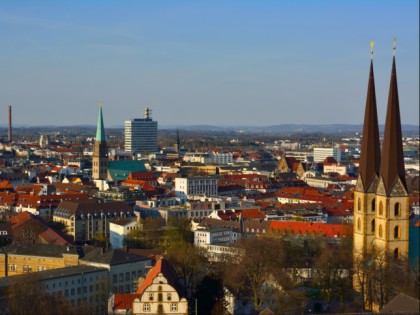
column 100, row 130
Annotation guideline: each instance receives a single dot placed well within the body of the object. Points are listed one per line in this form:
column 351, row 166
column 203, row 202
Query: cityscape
column 240, row 182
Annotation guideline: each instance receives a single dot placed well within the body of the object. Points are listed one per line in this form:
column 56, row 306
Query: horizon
column 218, row 63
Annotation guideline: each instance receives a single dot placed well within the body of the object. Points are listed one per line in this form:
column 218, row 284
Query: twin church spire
column 386, row 171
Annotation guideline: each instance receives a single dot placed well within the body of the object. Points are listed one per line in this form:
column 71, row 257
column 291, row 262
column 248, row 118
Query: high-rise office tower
column 140, row 134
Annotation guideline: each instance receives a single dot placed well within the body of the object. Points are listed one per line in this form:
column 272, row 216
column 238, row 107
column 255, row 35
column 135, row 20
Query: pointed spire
column 392, row 164
column 371, row 155
column 100, row 130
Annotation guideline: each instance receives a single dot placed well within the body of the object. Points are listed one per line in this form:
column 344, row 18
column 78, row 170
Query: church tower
column 367, row 182
column 392, row 201
column 100, row 151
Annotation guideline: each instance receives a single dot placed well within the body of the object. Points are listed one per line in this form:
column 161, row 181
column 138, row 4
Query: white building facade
column 320, row 154
column 119, row 229
column 140, row 134
column 197, row 185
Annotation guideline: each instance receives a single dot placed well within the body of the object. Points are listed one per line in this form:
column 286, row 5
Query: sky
column 195, row 62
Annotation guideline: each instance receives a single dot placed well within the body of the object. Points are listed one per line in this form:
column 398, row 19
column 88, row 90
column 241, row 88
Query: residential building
column 21, row 258
column 119, row 229
column 86, row 218
column 140, row 134
column 215, row 236
column 196, row 185
column 124, row 267
column 76, row 285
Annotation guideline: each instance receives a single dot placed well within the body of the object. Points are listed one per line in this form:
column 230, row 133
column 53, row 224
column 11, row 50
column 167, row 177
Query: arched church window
column 397, row 209
column 397, row 232
column 381, row 208
column 359, row 204
column 373, row 225
column 358, row 224
column 373, row 205
column 380, row 230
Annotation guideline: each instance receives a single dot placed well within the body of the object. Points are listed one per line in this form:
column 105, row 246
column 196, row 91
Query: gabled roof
column 161, row 267
column 124, row 301
column 43, row 250
column 401, row 304
column 110, row 256
column 322, row 229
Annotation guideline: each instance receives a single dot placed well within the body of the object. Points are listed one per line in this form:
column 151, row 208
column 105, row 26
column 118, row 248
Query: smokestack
column 10, row 125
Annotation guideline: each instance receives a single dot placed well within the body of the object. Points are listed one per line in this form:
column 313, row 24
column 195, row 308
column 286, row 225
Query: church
column 381, row 211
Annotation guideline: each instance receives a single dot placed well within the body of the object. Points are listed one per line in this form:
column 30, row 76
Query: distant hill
column 283, row 128
column 290, row 128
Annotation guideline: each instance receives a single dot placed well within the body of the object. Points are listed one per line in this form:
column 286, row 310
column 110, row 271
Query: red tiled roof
column 124, row 301
column 162, row 267
column 321, row 229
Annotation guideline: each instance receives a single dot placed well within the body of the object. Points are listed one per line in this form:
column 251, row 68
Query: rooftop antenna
column 372, row 44
column 147, row 113
column 394, row 46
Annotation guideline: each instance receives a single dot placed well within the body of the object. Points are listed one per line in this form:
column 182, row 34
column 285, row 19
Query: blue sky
column 205, row 62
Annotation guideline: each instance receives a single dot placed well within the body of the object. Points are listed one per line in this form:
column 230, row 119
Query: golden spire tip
column 372, row 44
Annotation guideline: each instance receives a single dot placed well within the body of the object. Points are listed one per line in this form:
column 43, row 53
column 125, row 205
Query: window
column 121, row 277
column 114, row 279
column 127, row 276
column 380, row 230
column 146, row 307
column 396, row 254
column 72, row 292
column 397, row 232
column 160, row 297
column 397, row 209
column 358, row 224
column 150, row 296
column 381, row 208
column 373, row 205
column 359, row 204
column 169, row 296
column 174, row 307
column 373, row 225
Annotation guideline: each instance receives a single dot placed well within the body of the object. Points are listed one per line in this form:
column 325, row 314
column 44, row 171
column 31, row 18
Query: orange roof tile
column 321, row 229
column 162, row 267
column 124, row 301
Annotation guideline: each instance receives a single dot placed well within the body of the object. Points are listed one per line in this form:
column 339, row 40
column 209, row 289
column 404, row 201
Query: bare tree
column 259, row 273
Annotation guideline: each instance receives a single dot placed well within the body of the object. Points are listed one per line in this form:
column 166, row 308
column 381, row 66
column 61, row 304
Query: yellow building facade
column 17, row 259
